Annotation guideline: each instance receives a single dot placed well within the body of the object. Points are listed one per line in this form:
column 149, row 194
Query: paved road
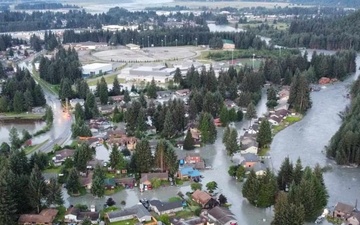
column 60, row 132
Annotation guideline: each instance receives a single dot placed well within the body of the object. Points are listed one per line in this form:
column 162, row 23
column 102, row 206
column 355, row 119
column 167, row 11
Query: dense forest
column 42, row 6
column 20, row 93
column 344, row 145
column 64, row 65
column 175, row 36
column 7, row 41
column 22, row 21
column 320, row 33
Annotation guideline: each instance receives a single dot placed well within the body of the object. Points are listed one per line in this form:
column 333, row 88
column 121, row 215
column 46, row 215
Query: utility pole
column 148, row 42
column 165, row 40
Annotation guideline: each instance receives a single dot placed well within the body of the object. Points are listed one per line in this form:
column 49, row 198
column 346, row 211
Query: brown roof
column 222, row 215
column 64, row 153
column 45, row 216
column 72, row 211
column 126, row 180
column 192, row 154
column 344, row 208
column 201, row 196
column 149, row 176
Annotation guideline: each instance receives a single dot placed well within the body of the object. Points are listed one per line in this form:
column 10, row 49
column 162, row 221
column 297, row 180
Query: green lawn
column 125, row 222
column 52, row 88
column 108, row 78
column 174, row 199
column 286, row 122
column 263, row 151
column 53, row 170
column 33, row 148
column 185, row 214
column 25, row 116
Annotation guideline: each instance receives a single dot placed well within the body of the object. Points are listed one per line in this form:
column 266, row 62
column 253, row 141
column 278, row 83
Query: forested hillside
column 331, row 34
column 344, row 145
column 332, row 3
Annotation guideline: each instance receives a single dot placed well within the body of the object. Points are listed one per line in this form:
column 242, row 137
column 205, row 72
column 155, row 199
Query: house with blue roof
column 188, row 172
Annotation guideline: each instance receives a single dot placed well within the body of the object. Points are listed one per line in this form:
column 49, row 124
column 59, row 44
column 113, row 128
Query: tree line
column 63, row 65
column 299, row 194
column 20, row 93
column 174, row 36
column 344, row 145
column 42, row 6
column 16, row 171
column 6, row 41
column 329, row 3
column 322, row 33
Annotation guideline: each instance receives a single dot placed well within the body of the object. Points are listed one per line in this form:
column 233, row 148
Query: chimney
column 92, row 208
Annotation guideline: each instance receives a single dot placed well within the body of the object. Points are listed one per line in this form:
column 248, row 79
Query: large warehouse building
column 96, row 69
column 160, row 74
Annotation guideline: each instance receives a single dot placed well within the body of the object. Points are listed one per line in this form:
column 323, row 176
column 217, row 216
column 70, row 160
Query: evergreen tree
column 250, row 112
column 116, row 159
column 298, row 171
column 116, row 89
column 287, row 213
column 97, row 187
column 207, row 128
column 79, row 112
column 18, row 102
column 37, row 188
column 169, row 129
column 299, row 98
column 151, row 90
column 251, row 188
column 103, row 91
column 226, row 134
column 86, row 221
column 285, row 175
column 268, row 190
column 178, row 76
column 264, row 136
column 126, row 96
column 14, row 138
column 54, row 193
column 73, row 184
column 224, row 116
column 143, row 157
column 7, row 203
column 189, row 141
column 193, row 111
column 231, row 143
column 143, row 101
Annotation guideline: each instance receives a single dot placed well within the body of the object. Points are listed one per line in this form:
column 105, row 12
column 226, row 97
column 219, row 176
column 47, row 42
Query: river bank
column 21, row 117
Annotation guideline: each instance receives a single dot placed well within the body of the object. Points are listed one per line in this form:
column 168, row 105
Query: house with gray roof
column 259, row 168
column 138, row 212
column 249, row 145
column 221, row 216
column 166, row 207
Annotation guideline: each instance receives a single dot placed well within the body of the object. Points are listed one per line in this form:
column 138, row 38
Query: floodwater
column 32, row 127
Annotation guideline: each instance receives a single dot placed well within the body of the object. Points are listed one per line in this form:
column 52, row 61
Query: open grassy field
column 108, row 78
column 33, row 148
column 21, row 116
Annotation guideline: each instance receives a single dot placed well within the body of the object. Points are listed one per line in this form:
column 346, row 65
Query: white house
column 137, row 211
column 249, row 145
column 75, row 101
column 274, row 120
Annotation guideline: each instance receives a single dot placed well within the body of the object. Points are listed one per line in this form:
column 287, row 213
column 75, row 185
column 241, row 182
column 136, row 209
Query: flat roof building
column 96, row 68
column 133, row 46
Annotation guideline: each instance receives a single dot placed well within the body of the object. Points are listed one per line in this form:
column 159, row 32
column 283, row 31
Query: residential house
column 93, row 163
column 249, row 160
column 86, row 181
column 249, row 145
column 204, row 199
column 46, row 216
column 259, row 168
column 123, row 142
column 127, row 182
column 161, row 208
column 74, row 215
column 284, row 93
column 115, row 133
column 192, row 157
column 183, row 92
column 191, row 221
column 230, row 103
column 196, row 135
column 138, row 212
column 343, row 210
column 117, row 98
column 75, row 101
column 354, row 219
column 147, row 177
column 220, row 215
column 91, row 141
column 164, row 94
column 109, row 183
column 62, row 155
column 281, row 113
column 188, row 173
column 274, row 120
